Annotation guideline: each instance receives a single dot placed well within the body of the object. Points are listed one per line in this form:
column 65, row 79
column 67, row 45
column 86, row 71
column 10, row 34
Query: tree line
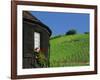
column 69, row 32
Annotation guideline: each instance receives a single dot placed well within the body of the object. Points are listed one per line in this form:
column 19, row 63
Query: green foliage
column 71, row 32
column 72, row 50
column 42, row 61
column 86, row 32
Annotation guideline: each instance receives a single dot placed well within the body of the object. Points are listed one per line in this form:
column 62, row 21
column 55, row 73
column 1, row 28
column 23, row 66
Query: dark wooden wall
column 28, row 43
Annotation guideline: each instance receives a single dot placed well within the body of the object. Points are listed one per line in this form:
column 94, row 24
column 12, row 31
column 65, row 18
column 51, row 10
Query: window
column 36, row 40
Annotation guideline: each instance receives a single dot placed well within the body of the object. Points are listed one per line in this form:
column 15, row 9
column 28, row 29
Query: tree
column 71, row 32
column 86, row 32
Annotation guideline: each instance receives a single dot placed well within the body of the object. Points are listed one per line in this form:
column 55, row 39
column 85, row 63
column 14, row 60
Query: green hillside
column 69, row 50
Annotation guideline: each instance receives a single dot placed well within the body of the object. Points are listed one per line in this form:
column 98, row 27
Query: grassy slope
column 72, row 50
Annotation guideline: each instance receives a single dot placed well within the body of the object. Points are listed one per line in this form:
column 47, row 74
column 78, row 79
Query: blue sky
column 60, row 22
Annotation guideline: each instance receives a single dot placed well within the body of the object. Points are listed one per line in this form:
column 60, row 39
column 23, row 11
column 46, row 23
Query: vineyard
column 69, row 50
